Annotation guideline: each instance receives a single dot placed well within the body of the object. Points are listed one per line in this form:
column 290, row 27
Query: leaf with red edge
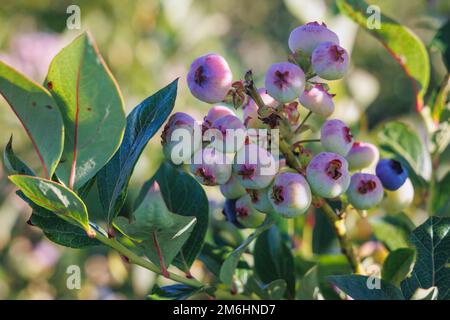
column 400, row 41
column 37, row 112
column 92, row 110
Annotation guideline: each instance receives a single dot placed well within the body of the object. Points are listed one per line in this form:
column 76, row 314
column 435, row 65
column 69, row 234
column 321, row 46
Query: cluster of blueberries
column 253, row 190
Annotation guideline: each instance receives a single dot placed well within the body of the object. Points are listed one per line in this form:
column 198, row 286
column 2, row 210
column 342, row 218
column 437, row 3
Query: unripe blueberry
column 365, row 191
column 362, row 155
column 246, row 214
column 227, row 134
column 329, row 61
column 254, row 167
column 232, row 189
column 336, row 137
column 211, row 167
column 318, row 100
column 290, row 194
column 180, row 138
column 308, row 36
column 209, row 78
column 216, row 112
column 260, row 200
column 251, row 116
column 400, row 199
column 229, row 211
column 391, row 173
column 285, row 81
column 327, row 174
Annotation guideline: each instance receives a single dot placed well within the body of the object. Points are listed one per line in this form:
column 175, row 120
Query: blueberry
column 391, row 173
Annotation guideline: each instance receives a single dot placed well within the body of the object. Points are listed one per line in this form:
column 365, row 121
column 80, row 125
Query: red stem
column 164, row 271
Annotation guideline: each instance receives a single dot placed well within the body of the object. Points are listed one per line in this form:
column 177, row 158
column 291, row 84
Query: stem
column 164, row 271
column 133, row 258
column 251, row 90
column 338, row 222
column 307, row 140
column 303, row 122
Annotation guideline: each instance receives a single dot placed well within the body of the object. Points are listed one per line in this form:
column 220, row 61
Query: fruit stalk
column 337, row 222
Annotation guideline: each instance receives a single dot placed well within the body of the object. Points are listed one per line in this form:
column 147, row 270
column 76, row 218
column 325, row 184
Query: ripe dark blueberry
column 391, row 173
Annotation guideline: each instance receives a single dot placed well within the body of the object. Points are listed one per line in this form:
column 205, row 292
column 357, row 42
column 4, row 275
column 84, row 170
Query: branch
column 133, row 258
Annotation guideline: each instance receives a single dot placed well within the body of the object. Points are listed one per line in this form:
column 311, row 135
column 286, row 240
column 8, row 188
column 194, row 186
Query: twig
column 133, row 258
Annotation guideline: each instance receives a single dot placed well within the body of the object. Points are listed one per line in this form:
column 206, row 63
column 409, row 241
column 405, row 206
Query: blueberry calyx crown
column 281, row 79
column 333, row 169
column 200, row 77
column 277, row 194
column 366, row 186
column 396, row 166
column 206, row 176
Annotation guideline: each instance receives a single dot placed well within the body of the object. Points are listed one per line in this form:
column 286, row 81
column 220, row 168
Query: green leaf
column 432, row 242
column 158, row 232
column 274, row 260
column 439, row 102
column 56, row 229
column 142, row 124
column 183, row 195
column 38, row 114
column 274, row 290
column 441, row 201
column 405, row 143
column 441, row 42
column 213, row 257
column 364, row 288
column 406, row 47
column 393, row 230
column 398, row 265
column 173, row 292
column 426, row 294
column 232, row 261
column 92, row 110
column 329, row 265
column 54, row 197
column 309, row 285
column 12, row 163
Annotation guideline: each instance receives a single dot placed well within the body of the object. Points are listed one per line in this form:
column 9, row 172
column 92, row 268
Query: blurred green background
column 148, row 43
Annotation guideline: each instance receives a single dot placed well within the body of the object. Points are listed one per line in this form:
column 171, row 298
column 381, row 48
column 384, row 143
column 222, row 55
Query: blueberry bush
column 284, row 179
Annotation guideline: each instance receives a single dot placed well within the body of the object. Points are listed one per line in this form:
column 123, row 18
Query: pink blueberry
column 365, row 191
column 330, row 61
column 232, row 189
column 285, row 81
column 246, row 214
column 362, row 155
column 211, row 167
column 216, row 112
column 318, row 100
column 180, row 138
column 254, row 167
column 251, row 117
column 209, row 78
column 260, row 200
column 290, row 194
column 336, row 137
column 227, row 134
column 327, row 174
column 308, row 36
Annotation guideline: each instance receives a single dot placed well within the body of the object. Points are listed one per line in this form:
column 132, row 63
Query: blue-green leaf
column 361, row 287
column 432, row 242
column 142, row 124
